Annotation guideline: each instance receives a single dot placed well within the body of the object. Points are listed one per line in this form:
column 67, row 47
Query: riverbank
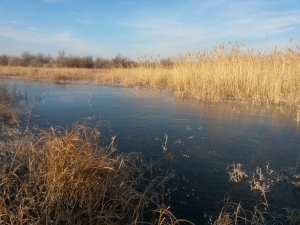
column 58, row 164
column 216, row 76
column 66, row 176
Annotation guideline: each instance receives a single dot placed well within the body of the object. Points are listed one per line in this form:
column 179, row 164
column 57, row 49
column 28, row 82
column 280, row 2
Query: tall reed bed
column 224, row 74
column 221, row 74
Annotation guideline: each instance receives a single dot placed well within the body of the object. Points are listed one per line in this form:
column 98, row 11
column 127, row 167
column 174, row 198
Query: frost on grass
column 65, row 177
column 235, row 172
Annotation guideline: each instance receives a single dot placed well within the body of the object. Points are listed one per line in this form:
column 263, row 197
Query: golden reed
column 218, row 75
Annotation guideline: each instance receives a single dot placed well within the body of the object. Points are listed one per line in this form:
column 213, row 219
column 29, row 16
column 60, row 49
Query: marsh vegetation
column 65, row 176
column 8, row 114
column 219, row 75
column 73, row 175
column 53, row 175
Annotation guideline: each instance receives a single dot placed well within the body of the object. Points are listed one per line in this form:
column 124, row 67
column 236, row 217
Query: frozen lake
column 203, row 138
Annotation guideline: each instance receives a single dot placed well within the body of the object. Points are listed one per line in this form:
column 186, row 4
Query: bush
column 4, row 60
column 42, row 58
column 74, row 61
column 102, row 63
column 15, row 61
column 27, row 58
column 121, row 61
column 87, row 62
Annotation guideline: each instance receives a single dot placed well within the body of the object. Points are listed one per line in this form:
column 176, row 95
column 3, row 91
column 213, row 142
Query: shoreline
column 27, row 154
column 294, row 110
column 214, row 76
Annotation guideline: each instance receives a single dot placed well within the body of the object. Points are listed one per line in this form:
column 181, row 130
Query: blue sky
column 133, row 28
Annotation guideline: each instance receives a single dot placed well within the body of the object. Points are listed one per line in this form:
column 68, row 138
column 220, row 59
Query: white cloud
column 154, row 29
column 163, row 33
column 62, row 40
column 191, row 26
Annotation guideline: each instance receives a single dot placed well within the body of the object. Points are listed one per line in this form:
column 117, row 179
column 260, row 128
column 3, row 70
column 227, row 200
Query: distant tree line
column 70, row 61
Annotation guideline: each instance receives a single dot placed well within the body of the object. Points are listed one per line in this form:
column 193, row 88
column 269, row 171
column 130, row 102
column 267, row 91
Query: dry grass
column 235, row 172
column 221, row 74
column 234, row 214
column 262, row 188
column 8, row 114
column 65, row 177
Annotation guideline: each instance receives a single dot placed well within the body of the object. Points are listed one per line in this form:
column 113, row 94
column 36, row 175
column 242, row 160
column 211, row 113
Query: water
column 204, row 138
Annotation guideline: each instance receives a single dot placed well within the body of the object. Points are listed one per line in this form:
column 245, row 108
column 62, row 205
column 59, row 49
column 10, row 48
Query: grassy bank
column 65, row 177
column 218, row 75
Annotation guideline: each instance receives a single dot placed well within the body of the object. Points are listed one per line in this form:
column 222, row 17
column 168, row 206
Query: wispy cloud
column 36, row 29
column 167, row 33
column 163, row 27
column 13, row 22
column 62, row 40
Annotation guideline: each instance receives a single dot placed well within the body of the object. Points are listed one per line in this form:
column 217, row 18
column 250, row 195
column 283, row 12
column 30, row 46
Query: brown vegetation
column 233, row 213
column 41, row 60
column 65, row 177
column 208, row 76
column 8, row 113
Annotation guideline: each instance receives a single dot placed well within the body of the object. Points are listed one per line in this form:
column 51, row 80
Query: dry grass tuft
column 233, row 213
column 235, row 172
column 8, row 114
column 65, row 177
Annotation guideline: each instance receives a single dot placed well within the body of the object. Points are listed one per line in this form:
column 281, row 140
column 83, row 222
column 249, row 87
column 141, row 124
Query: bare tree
column 102, row 63
column 26, row 58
